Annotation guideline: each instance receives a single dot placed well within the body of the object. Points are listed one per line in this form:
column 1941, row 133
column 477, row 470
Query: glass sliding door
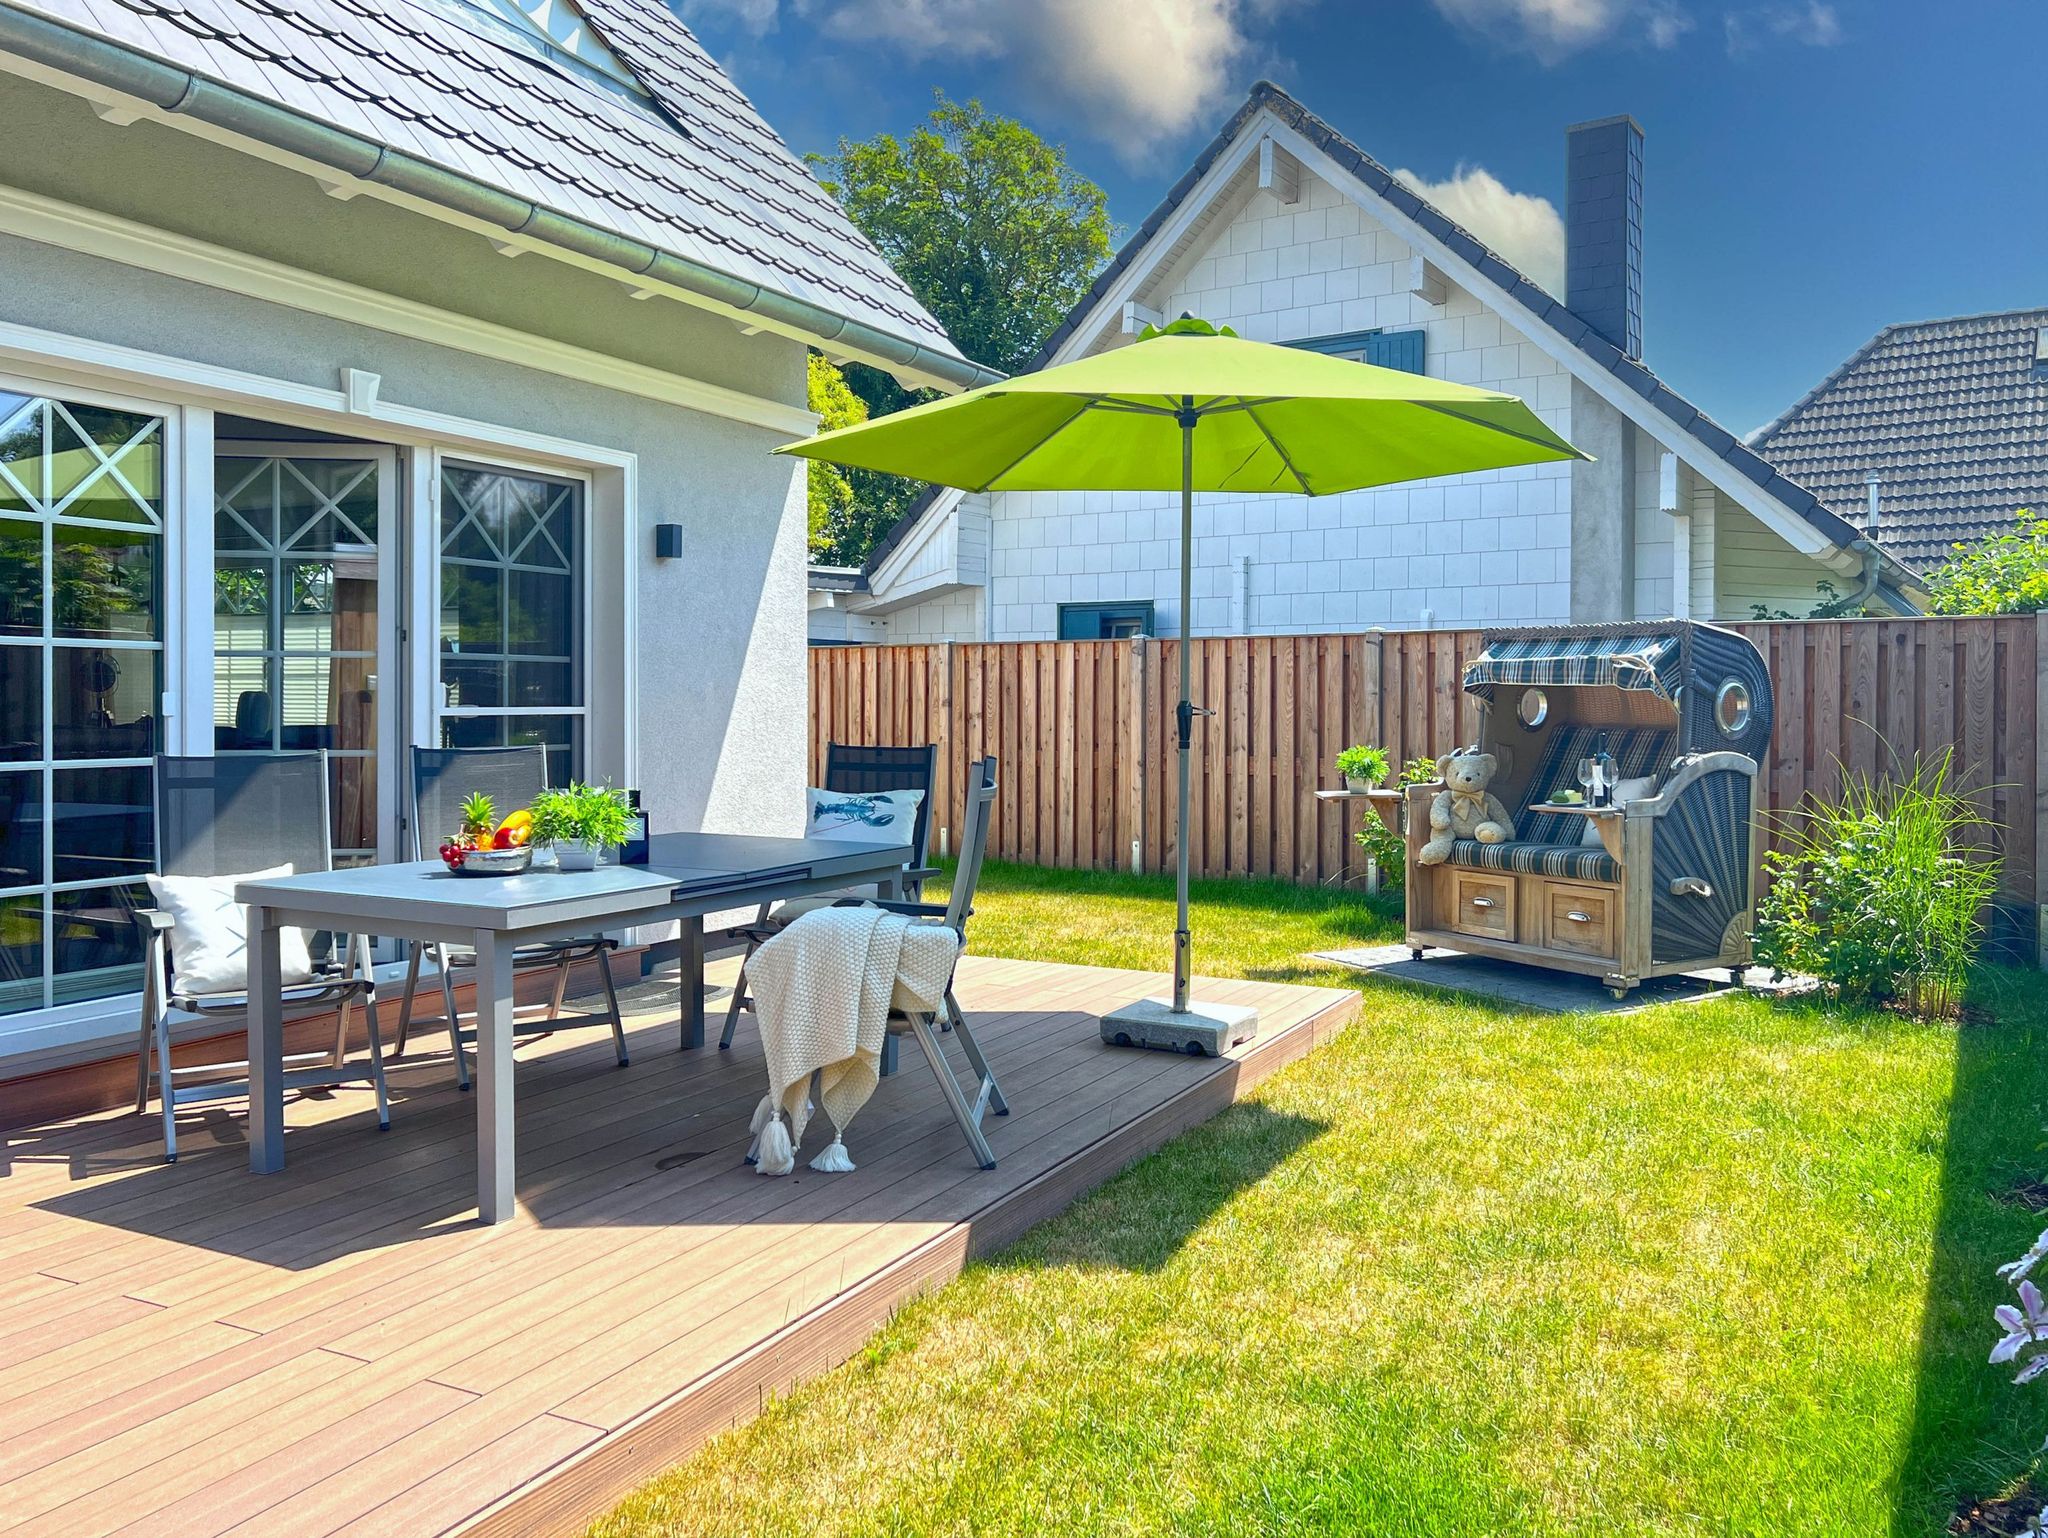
column 303, row 542
column 510, row 652
column 81, row 663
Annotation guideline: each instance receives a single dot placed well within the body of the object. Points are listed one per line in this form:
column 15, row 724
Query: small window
column 1731, row 708
column 556, row 31
column 1382, row 349
column 1534, row 708
column 1105, row 621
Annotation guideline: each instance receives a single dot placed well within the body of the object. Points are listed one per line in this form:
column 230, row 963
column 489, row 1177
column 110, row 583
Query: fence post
column 1137, row 712
column 2041, row 791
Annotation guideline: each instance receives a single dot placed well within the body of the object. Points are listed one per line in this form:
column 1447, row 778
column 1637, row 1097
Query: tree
column 996, row 235
column 830, row 495
column 2005, row 574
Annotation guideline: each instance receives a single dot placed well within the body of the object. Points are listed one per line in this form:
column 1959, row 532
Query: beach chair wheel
column 1415, row 953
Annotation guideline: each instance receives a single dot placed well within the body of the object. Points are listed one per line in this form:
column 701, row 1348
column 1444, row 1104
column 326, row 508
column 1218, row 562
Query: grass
column 1719, row 1268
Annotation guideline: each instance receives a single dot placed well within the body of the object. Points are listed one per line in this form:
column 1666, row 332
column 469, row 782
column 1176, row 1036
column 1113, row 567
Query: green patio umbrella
column 1193, row 408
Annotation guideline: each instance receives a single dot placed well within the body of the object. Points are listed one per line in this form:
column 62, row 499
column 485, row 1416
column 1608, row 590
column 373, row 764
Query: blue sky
column 1814, row 171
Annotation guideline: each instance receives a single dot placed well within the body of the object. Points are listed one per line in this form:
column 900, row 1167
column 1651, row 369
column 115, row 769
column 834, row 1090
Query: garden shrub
column 1380, row 842
column 1881, row 894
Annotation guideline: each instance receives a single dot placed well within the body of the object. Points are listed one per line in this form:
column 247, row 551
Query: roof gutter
column 117, row 67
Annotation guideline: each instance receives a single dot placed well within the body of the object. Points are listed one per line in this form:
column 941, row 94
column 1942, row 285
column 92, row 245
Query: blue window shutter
column 1395, row 349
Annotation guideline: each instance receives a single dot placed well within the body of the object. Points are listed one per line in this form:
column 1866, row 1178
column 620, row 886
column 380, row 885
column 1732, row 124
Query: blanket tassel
column 774, row 1154
column 833, row 1159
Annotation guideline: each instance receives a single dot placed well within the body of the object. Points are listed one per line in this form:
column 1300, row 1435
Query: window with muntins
column 81, row 665
column 510, row 646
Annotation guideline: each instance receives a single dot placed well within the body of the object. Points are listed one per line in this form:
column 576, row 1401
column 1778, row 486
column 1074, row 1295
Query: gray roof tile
column 702, row 177
column 1951, row 414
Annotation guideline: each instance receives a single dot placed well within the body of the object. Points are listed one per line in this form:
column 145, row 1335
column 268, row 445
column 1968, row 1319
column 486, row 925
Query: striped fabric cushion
column 1638, row 751
column 1574, row 862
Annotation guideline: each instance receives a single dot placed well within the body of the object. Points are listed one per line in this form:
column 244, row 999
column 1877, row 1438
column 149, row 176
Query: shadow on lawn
column 1139, row 1220
column 1973, row 1433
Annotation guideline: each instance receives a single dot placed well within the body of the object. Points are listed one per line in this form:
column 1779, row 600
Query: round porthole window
column 1731, row 707
column 1534, row 709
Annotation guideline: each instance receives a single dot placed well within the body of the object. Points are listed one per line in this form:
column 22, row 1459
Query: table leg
column 495, row 1191
column 266, row 1047
column 690, row 945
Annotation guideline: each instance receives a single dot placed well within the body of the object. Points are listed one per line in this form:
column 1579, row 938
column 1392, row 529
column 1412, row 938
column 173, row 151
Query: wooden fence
column 1083, row 730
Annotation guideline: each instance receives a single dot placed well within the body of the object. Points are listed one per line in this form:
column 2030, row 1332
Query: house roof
column 1951, row 414
column 690, row 172
column 1533, row 299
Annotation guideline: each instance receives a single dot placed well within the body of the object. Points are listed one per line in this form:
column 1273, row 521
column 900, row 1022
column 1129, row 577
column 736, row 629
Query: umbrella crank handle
column 1187, row 710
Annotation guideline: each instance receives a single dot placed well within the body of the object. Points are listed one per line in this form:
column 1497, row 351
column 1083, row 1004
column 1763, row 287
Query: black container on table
column 635, row 850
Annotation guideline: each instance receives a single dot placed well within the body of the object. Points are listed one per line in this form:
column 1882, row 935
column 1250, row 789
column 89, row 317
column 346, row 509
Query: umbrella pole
column 1183, row 941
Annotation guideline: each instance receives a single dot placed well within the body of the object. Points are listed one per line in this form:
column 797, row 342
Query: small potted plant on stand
column 1362, row 768
column 581, row 822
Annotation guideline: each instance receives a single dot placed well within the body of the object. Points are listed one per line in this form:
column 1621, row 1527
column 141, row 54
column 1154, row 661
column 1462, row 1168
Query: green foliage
column 1417, row 771
column 996, row 235
column 830, row 494
column 1880, row 895
column 581, row 813
column 1384, row 847
column 1363, row 763
column 994, row 232
column 2005, row 574
column 1829, row 603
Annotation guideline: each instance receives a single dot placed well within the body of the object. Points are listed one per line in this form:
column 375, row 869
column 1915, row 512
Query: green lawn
column 1720, row 1268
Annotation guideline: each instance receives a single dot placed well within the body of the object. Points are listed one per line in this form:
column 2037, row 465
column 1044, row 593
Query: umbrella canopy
column 1270, row 419
column 1274, row 419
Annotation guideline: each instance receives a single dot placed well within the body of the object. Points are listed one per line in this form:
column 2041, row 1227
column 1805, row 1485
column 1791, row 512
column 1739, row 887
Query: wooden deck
column 193, row 1349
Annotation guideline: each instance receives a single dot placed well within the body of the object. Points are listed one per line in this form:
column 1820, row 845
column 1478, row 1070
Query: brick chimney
column 1603, row 225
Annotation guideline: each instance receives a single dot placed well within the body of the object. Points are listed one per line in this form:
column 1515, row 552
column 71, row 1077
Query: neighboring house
column 1285, row 231
column 1950, row 416
column 349, row 357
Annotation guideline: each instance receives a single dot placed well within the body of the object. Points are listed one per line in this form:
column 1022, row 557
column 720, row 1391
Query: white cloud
column 1812, row 25
column 757, row 16
column 1522, row 227
column 1555, row 29
column 1134, row 73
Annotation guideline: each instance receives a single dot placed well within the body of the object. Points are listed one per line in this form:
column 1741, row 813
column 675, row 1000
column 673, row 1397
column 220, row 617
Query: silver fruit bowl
column 495, row 862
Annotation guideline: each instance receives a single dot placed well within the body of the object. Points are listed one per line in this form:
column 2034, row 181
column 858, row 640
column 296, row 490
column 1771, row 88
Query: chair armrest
column 917, row 875
column 152, row 921
column 908, row 910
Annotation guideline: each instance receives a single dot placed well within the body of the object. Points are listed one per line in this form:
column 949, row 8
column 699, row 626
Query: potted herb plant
column 1362, row 767
column 581, row 822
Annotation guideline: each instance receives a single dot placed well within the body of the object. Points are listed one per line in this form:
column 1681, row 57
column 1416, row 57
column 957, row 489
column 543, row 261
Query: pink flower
column 2024, row 1326
column 2016, row 1270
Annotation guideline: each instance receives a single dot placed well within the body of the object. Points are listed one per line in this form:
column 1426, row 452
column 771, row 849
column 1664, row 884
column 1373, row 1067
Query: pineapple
column 479, row 821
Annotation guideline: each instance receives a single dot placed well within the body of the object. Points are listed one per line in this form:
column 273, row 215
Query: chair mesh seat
column 1576, row 862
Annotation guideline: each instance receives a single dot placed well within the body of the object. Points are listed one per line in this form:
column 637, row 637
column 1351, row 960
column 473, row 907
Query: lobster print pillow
column 864, row 817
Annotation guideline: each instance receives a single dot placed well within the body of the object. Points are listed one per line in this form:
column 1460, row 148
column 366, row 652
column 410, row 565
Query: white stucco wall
column 1476, row 549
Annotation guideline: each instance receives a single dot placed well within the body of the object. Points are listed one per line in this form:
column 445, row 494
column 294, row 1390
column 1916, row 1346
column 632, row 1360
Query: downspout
column 173, row 89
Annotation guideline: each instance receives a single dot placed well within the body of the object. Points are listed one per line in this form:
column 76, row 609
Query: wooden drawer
column 1579, row 919
column 1483, row 904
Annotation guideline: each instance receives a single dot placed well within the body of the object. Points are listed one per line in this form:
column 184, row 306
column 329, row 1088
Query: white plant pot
column 578, row 856
column 1357, row 782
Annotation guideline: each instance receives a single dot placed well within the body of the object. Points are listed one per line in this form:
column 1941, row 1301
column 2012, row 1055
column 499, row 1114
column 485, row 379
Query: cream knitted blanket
column 822, row 992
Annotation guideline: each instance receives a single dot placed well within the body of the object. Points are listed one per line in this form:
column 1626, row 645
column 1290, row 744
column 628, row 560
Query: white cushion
column 864, row 817
column 210, row 933
column 1625, row 791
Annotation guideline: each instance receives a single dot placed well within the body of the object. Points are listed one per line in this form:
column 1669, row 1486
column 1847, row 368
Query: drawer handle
column 1482, row 902
column 1579, row 918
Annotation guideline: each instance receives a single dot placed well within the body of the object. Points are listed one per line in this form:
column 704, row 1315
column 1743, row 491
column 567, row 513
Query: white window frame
column 427, row 552
column 189, row 395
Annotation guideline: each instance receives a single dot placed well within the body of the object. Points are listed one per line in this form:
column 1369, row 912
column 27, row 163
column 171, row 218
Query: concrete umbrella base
column 1205, row 1030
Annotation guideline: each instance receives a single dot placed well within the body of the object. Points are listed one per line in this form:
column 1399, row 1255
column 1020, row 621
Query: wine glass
column 1588, row 772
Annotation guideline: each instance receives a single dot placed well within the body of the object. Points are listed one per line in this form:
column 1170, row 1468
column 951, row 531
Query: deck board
column 342, row 1348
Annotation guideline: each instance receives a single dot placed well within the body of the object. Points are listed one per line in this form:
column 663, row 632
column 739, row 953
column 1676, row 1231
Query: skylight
column 556, row 30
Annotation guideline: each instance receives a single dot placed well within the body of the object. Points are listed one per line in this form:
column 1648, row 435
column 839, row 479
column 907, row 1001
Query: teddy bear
column 1465, row 808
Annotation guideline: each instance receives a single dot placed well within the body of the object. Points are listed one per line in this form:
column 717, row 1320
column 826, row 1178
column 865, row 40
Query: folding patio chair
column 223, row 817
column 854, row 771
column 511, row 777
column 959, row 907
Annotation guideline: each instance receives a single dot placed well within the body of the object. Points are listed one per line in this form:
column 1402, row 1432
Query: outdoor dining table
column 688, row 875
